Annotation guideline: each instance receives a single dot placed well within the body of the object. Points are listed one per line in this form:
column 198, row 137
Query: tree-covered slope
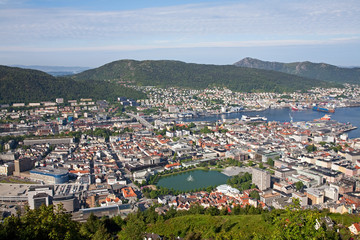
column 180, row 74
column 25, row 85
column 53, row 223
column 320, row 71
column 213, row 227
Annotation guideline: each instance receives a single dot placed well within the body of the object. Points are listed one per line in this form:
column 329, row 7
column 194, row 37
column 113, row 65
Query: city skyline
column 93, row 33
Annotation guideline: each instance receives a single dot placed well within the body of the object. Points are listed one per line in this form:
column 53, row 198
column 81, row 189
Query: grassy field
column 15, row 180
column 214, row 227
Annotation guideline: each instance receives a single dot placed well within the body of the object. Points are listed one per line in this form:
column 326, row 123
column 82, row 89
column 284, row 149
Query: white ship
column 253, row 118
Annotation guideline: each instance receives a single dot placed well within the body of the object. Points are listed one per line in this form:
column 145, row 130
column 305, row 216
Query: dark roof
column 41, row 195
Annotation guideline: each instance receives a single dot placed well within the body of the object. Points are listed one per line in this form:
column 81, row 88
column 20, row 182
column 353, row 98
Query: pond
column 193, row 180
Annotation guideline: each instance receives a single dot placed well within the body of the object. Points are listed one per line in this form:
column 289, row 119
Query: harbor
column 348, row 117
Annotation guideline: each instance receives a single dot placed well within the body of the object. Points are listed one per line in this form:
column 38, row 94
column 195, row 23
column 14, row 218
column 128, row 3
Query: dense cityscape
column 179, row 120
column 108, row 158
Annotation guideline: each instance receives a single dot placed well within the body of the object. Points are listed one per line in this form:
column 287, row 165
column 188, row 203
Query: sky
column 91, row 33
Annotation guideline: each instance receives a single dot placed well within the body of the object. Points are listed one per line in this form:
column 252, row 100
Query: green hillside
column 198, row 76
column 212, row 227
column 320, row 71
column 197, row 223
column 25, row 85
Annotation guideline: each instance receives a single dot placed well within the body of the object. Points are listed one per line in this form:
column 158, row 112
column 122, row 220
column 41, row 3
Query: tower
column 261, row 178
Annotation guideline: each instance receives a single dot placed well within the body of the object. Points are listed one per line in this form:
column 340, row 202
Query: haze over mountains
column 320, row 71
column 55, row 70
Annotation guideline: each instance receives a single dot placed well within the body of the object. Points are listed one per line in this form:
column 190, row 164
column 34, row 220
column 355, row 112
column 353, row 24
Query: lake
column 193, row 180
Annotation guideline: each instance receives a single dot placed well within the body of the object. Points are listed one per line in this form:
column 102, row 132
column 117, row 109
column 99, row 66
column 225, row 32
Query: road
column 142, row 121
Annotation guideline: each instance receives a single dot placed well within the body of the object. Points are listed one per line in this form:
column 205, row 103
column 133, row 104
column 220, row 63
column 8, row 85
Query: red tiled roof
column 357, row 226
column 128, row 192
column 173, row 165
column 79, row 171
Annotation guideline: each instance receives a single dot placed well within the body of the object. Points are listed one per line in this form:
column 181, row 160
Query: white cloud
column 254, row 22
column 168, row 45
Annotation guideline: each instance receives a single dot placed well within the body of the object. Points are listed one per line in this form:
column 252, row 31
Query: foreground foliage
column 42, row 223
column 300, row 224
column 197, row 223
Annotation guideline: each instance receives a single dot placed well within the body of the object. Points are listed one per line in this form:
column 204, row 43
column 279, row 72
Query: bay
column 342, row 115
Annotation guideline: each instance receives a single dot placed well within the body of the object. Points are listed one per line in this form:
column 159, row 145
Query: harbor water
column 342, row 115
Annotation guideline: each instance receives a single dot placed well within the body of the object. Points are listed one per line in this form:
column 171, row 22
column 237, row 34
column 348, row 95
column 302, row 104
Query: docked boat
column 324, row 118
column 185, row 115
column 256, row 118
column 323, row 109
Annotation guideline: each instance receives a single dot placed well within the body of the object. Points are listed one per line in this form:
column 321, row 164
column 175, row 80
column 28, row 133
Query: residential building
column 7, row 169
column 261, row 178
column 355, row 228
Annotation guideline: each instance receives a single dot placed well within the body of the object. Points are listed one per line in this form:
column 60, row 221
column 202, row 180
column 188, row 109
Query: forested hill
column 198, row 76
column 320, row 71
column 26, row 85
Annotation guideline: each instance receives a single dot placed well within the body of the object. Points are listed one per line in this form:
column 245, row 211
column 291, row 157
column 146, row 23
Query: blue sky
column 94, row 32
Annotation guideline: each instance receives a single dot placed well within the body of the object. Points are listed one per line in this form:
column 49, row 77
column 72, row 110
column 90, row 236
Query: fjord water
column 342, row 115
column 200, row 179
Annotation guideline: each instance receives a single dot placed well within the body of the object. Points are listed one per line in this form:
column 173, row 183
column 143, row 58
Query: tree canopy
column 198, row 76
column 300, row 224
column 42, row 223
column 247, row 222
column 26, row 85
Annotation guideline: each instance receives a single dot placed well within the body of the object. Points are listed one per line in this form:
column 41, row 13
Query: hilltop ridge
column 319, row 71
column 27, row 85
column 167, row 73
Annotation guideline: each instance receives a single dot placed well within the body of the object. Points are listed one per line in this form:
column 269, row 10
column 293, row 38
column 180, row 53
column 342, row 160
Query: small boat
column 325, row 117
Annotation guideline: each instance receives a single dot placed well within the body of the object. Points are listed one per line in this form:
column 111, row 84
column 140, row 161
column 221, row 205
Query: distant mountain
column 26, row 85
column 319, row 71
column 55, row 70
column 198, row 76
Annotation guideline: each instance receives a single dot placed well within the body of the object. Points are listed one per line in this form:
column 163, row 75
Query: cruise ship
column 253, row 118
